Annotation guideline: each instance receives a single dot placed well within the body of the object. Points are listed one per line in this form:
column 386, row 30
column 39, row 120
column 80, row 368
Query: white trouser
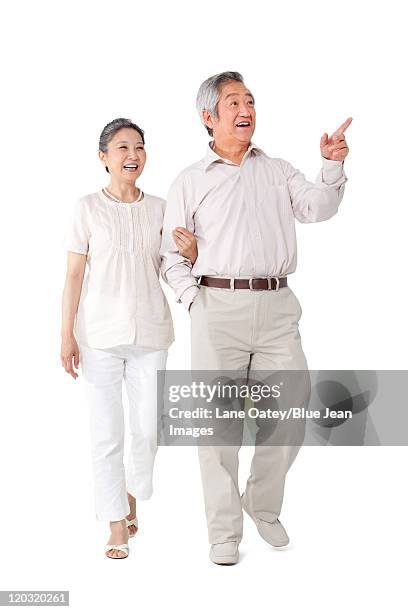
column 103, row 371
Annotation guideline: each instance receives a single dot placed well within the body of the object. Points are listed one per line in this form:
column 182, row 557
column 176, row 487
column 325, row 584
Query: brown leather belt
column 255, row 284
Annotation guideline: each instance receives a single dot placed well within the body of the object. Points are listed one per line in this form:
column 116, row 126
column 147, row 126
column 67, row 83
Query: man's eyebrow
column 247, row 93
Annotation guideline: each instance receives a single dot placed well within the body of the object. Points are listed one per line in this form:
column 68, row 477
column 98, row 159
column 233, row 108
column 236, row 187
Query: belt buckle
column 277, row 282
column 251, row 285
column 232, row 285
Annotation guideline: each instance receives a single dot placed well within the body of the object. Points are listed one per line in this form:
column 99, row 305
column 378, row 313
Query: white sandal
column 121, row 547
column 135, row 524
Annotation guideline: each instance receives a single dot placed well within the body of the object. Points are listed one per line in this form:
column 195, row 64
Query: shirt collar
column 212, row 156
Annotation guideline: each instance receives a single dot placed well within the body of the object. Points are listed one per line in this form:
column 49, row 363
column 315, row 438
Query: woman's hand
column 69, row 350
column 186, row 243
column 70, row 299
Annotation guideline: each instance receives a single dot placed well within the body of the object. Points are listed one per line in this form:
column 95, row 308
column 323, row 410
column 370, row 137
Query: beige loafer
column 273, row 533
column 226, row 553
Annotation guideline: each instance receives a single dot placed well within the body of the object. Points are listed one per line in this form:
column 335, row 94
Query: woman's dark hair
column 114, row 126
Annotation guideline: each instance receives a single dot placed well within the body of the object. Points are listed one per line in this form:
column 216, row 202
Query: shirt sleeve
column 78, row 233
column 176, row 270
column 318, row 201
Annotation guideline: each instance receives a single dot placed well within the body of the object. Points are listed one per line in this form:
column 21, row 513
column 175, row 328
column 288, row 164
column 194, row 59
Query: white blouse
column 122, row 301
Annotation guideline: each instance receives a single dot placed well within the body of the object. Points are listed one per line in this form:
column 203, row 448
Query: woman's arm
column 70, row 300
column 186, row 243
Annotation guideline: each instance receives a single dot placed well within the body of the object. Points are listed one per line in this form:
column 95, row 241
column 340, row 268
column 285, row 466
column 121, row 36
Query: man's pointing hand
column 335, row 147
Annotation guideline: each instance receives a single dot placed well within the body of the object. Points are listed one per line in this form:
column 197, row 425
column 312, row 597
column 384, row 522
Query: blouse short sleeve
column 78, row 233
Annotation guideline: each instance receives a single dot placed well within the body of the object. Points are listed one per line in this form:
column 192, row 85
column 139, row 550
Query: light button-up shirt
column 243, row 216
column 122, row 301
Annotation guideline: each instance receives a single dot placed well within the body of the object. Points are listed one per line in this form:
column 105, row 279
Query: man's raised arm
column 312, row 202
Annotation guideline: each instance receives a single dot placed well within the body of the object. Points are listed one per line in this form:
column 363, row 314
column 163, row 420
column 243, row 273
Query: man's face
column 236, row 114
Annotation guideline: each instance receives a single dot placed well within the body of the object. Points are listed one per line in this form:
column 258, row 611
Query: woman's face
column 126, row 155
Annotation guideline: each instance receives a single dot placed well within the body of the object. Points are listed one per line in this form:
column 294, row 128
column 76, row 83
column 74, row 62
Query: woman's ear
column 102, row 157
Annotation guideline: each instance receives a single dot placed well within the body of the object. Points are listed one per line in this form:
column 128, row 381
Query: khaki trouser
column 244, row 330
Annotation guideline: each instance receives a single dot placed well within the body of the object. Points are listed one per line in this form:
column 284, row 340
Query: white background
column 68, row 69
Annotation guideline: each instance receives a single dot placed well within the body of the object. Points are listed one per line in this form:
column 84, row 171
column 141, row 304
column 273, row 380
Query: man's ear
column 208, row 119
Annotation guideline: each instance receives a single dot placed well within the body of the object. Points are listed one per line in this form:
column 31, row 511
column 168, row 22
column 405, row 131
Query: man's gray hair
column 209, row 94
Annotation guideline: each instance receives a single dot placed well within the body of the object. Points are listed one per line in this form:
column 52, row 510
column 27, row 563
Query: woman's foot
column 132, row 514
column 119, row 535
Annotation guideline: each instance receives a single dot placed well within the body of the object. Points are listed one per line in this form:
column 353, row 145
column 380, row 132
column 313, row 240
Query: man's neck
column 234, row 152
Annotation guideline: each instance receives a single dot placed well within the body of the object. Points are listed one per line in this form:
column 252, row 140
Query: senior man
column 242, row 205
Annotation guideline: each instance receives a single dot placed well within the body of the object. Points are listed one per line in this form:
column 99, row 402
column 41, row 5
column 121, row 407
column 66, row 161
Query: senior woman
column 117, row 324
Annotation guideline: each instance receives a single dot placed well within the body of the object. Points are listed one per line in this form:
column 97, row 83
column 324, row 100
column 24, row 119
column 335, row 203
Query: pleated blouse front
column 122, row 301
